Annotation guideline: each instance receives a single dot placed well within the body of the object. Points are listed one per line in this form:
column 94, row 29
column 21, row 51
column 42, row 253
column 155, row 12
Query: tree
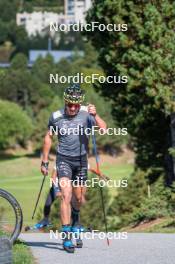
column 19, row 62
column 146, row 54
column 18, row 36
column 9, row 31
column 8, row 9
column 3, row 32
column 24, row 87
column 43, row 67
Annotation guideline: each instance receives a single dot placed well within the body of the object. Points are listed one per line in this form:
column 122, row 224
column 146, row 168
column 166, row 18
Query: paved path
column 136, row 249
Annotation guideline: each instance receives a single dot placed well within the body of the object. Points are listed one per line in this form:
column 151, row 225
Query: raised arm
column 99, row 121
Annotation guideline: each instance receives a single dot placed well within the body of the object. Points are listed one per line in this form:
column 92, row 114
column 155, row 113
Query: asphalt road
column 136, row 249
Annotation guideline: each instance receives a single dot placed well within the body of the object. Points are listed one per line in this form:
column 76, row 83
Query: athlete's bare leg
column 66, row 195
column 78, row 197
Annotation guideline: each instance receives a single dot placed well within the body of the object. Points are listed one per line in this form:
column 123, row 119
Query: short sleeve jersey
column 71, row 131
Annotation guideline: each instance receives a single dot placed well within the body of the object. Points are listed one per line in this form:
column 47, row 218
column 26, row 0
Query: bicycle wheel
column 11, row 217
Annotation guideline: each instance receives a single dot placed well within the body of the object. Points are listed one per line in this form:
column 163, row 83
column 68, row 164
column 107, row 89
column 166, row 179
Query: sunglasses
column 72, row 104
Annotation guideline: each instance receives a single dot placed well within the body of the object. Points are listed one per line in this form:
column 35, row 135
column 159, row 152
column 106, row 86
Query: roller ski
column 77, row 230
column 44, row 223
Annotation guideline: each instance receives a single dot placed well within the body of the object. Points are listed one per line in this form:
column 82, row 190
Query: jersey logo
column 58, row 114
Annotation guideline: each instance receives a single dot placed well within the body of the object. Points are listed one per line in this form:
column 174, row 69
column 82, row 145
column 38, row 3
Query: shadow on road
column 58, row 246
column 45, row 245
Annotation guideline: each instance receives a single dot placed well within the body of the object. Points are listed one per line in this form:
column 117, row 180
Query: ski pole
column 38, row 196
column 101, row 191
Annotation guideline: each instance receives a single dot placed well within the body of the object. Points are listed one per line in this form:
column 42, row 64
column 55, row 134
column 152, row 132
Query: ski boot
column 43, row 223
column 67, row 242
column 77, row 230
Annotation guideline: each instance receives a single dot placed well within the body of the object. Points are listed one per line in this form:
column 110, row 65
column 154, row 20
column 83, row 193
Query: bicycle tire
column 17, row 212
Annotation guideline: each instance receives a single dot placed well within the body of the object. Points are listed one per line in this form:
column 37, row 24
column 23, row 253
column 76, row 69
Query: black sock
column 75, row 215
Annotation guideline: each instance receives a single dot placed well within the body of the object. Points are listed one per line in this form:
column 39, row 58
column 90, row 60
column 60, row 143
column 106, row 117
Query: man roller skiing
column 72, row 150
column 53, row 193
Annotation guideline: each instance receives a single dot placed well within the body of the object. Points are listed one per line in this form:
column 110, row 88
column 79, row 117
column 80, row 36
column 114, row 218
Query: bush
column 150, row 209
column 127, row 200
column 159, row 204
column 134, row 204
column 15, row 126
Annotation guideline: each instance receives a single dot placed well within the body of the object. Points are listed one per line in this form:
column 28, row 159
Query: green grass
column 21, row 176
column 117, row 173
column 22, row 254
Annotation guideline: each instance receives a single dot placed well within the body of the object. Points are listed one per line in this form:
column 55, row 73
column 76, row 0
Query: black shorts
column 74, row 168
